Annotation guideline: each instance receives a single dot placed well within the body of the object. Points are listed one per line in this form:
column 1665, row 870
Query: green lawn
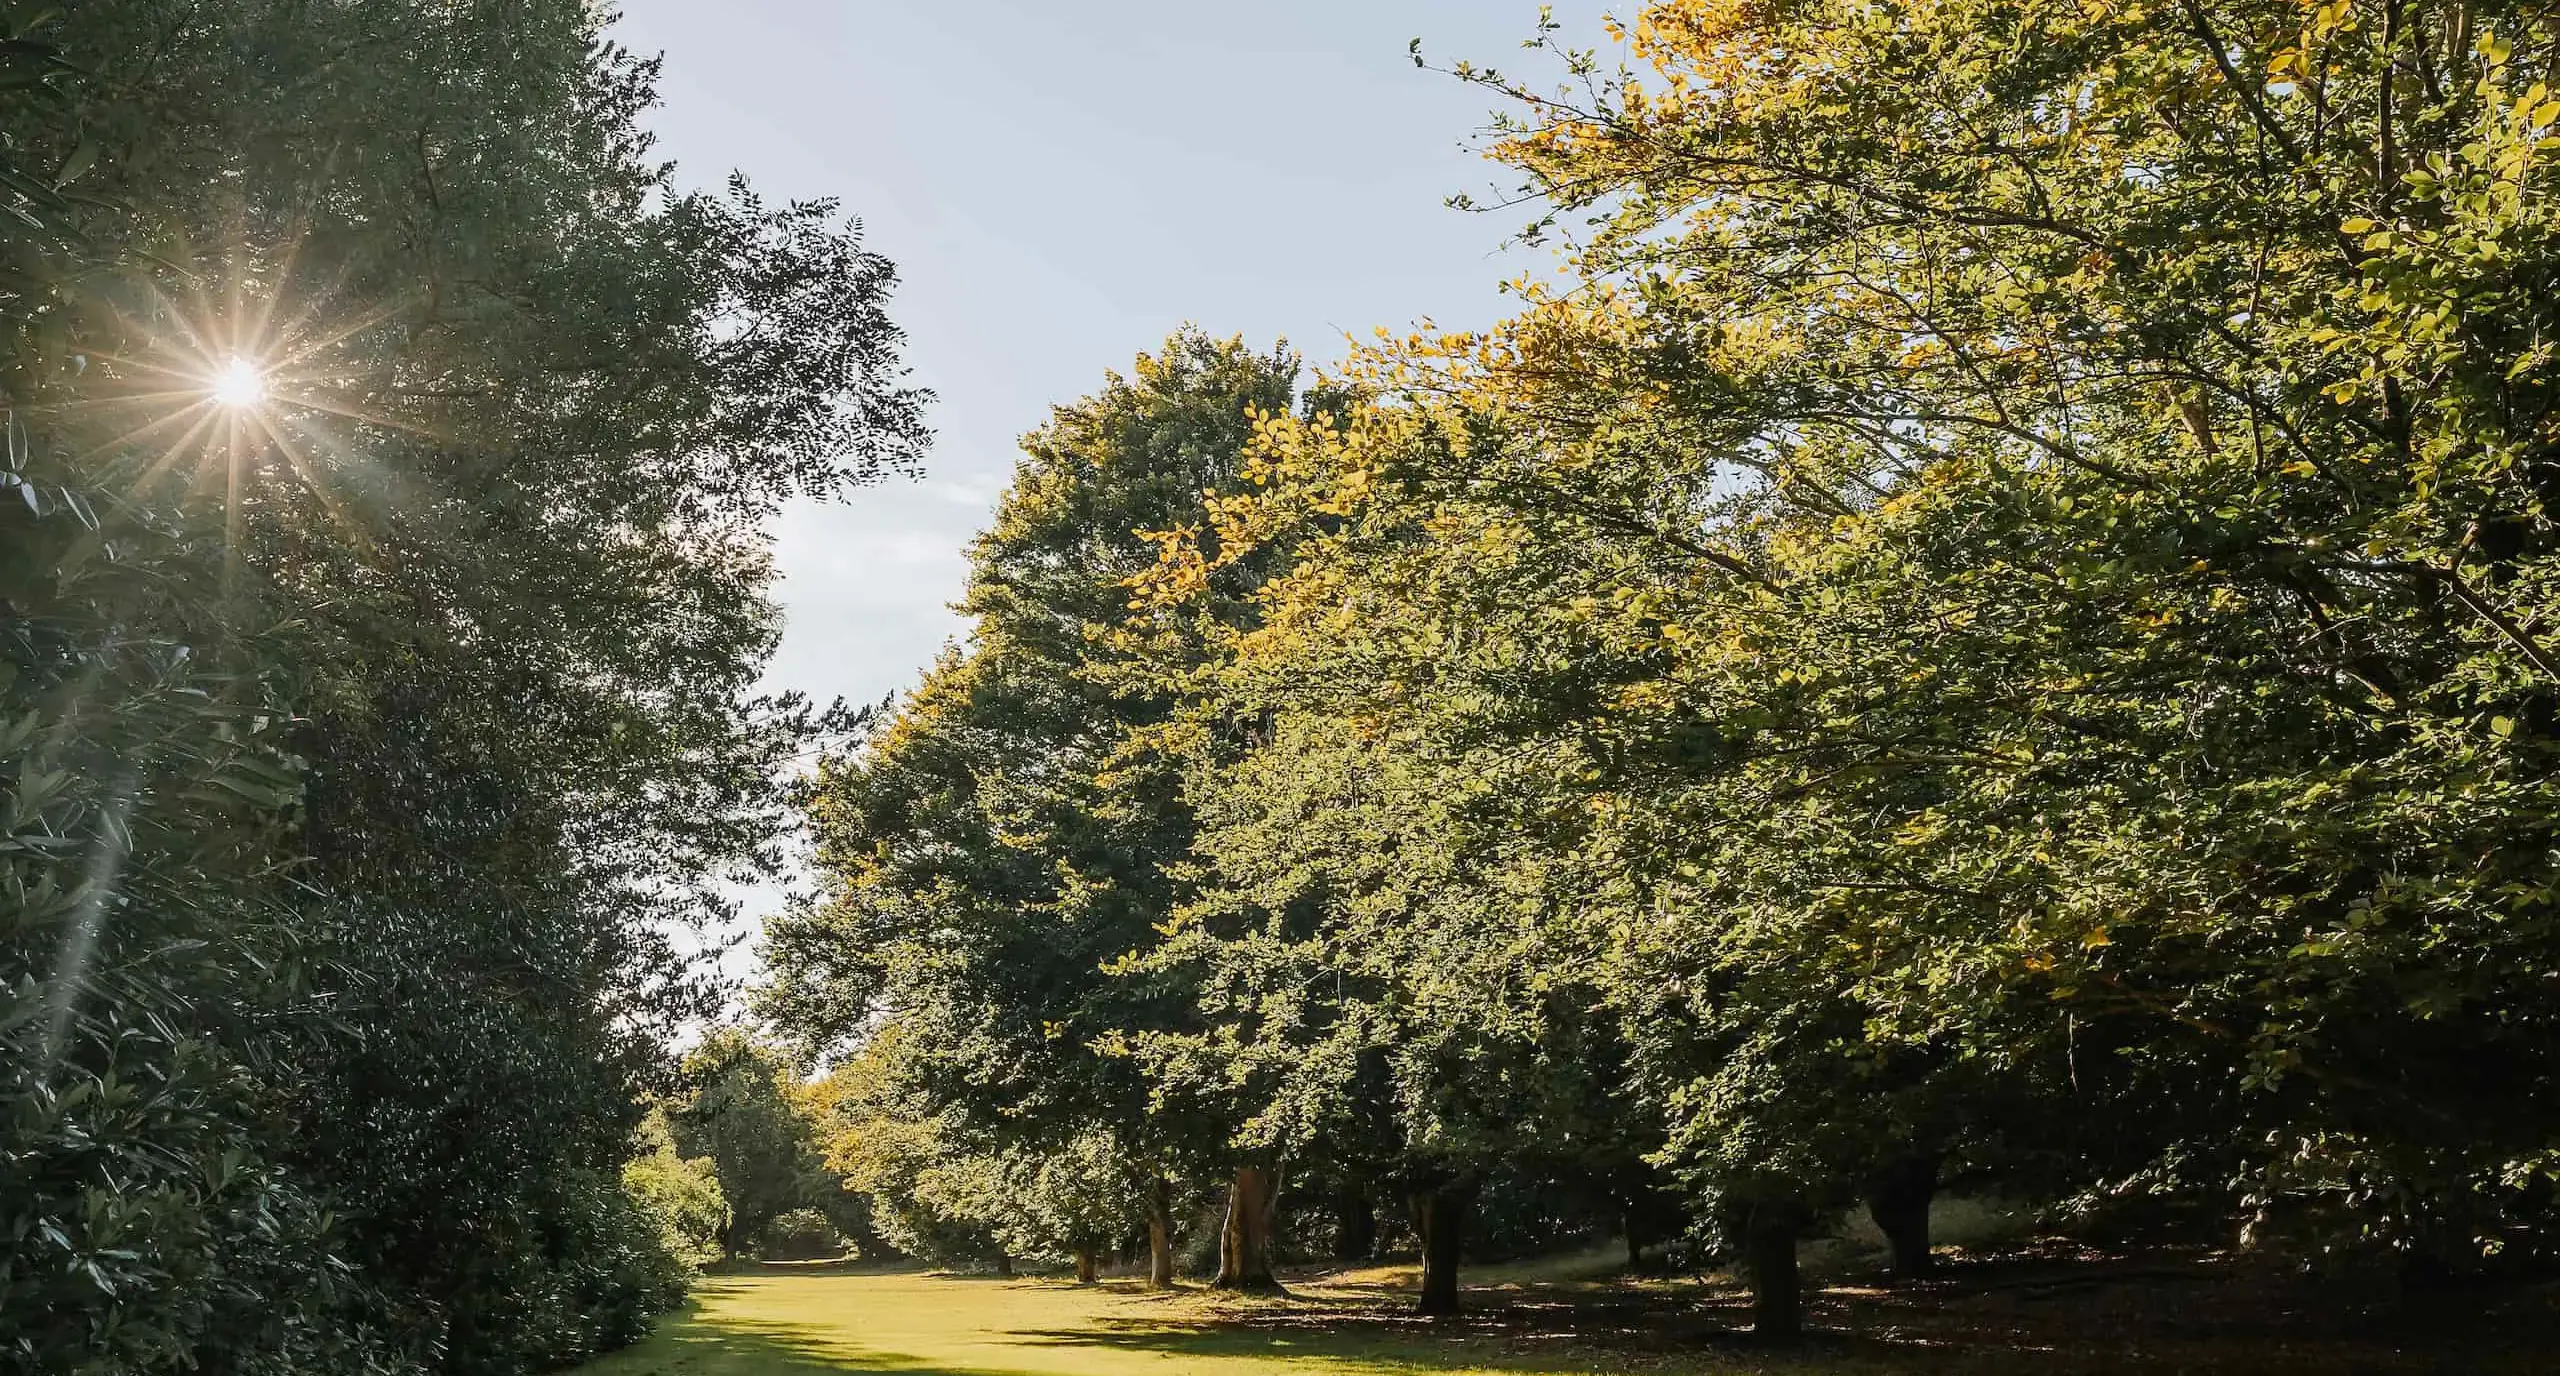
column 917, row 1325
column 1557, row 1317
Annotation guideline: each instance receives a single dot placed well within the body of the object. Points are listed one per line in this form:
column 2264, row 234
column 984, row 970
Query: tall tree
column 390, row 454
column 742, row 1116
column 2024, row 546
column 997, row 854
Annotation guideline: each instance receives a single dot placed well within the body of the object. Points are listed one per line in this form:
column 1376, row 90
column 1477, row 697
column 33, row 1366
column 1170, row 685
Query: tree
column 1991, row 625
column 2005, row 570
column 681, row 1194
column 744, row 1117
column 2202, row 540
column 396, row 714
column 1082, row 1199
column 886, row 1146
column 997, row 854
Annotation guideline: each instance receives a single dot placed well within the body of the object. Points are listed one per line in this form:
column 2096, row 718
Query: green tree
column 999, row 851
column 930, row 1199
column 680, row 1194
column 371, row 734
column 2020, row 553
column 745, row 1116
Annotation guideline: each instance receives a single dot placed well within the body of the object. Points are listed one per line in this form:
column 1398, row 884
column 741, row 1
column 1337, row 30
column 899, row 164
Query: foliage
column 1078, row 1199
column 366, row 743
column 744, row 1115
column 2153, row 565
column 681, row 1194
column 2005, row 623
column 801, row 1235
column 888, row 1146
column 1991, row 622
column 1005, row 845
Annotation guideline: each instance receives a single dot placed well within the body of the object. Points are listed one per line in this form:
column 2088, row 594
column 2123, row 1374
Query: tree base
column 1440, row 1217
column 1777, row 1298
column 1250, row 1285
column 1244, row 1242
column 1898, row 1201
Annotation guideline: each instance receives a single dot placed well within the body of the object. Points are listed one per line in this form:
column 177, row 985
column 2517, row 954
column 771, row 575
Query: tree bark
column 1441, row 1218
column 1355, row 1234
column 1898, row 1200
column 1160, row 1235
column 1004, row 1263
column 1244, row 1243
column 1769, row 1259
column 1086, row 1271
column 1650, row 1218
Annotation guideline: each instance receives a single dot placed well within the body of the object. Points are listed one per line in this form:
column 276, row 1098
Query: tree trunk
column 1355, row 1234
column 1769, row 1258
column 1650, row 1218
column 1244, row 1243
column 1160, row 1235
column 1004, row 1263
column 1441, row 1218
column 738, row 1236
column 1898, row 1200
column 1086, row 1271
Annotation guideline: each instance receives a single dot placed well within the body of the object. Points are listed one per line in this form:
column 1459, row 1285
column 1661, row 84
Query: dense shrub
column 802, row 1235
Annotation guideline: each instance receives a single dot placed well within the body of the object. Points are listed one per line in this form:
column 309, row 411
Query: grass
column 820, row 1324
column 2027, row 1312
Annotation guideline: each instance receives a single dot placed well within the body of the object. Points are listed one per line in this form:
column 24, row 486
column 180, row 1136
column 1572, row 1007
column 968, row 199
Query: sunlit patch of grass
column 1601, row 1262
column 778, row 1324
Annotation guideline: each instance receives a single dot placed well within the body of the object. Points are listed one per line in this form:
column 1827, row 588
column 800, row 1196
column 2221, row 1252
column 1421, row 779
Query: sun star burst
column 240, row 385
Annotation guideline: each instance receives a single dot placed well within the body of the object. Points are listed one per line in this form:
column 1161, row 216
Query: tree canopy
column 1991, row 625
column 373, row 721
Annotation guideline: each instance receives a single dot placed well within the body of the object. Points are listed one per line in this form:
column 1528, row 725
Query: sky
column 1062, row 183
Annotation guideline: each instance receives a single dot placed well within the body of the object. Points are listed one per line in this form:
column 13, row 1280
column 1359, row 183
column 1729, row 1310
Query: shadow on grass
column 697, row 1346
column 1301, row 1346
column 2023, row 1316
column 1316, row 1335
column 2172, row 1325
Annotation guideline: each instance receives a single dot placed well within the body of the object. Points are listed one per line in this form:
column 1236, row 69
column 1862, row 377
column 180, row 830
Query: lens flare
column 240, row 385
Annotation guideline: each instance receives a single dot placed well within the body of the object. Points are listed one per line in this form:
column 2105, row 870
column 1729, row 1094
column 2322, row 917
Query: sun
column 240, row 385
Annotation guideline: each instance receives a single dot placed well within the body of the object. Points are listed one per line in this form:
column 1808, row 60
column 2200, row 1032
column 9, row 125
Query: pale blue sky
column 1063, row 182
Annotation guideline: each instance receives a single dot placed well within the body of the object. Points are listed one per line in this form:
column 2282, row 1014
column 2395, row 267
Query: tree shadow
column 1310, row 1347
column 729, row 1346
column 2049, row 1316
column 1310, row 1334
column 1498, row 1333
column 2138, row 1316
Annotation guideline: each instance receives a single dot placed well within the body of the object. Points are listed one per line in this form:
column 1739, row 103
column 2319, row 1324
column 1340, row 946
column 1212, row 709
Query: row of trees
column 389, row 445
column 1994, row 623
